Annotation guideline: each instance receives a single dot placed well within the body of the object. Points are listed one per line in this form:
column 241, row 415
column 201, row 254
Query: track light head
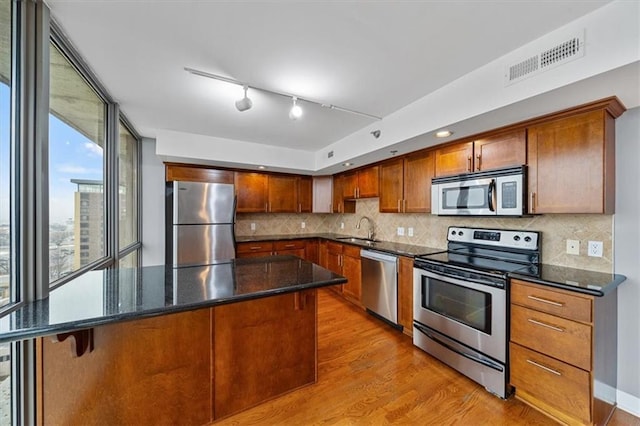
column 376, row 134
column 296, row 110
column 244, row 103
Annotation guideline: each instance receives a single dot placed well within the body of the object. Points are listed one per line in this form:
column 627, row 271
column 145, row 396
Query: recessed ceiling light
column 262, row 167
column 443, row 133
column 347, row 164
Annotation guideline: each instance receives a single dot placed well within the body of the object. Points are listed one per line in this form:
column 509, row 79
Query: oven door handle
column 473, row 357
column 492, row 187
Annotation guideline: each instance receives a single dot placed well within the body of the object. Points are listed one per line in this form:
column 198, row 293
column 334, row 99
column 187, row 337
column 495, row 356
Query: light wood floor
column 371, row 374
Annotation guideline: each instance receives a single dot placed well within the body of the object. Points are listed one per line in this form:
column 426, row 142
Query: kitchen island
column 157, row 345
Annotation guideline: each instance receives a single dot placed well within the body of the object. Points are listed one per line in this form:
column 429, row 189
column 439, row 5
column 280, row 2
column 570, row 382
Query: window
column 129, row 261
column 6, row 229
column 76, row 168
column 127, row 188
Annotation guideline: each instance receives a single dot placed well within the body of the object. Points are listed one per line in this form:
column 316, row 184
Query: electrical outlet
column 595, row 248
column 573, row 247
column 253, row 226
column 341, row 225
column 400, row 230
column 410, row 232
column 303, row 225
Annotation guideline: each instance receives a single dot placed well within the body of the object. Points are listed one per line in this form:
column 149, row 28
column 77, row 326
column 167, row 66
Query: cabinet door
column 368, row 182
column 352, row 271
column 571, row 166
column 323, row 254
column 418, row 170
column 322, row 194
column 506, row 150
column 291, row 247
column 405, row 294
column 454, row 159
column 282, row 194
column 305, row 197
column 391, row 186
column 251, row 192
column 311, row 251
column 334, row 264
column 190, row 173
column 340, row 205
column 350, row 186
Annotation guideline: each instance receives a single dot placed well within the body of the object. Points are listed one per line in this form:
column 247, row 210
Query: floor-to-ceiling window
column 77, row 155
column 5, row 201
column 127, row 195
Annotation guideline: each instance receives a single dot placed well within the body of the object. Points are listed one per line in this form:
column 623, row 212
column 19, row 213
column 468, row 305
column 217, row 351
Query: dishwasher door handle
column 375, row 255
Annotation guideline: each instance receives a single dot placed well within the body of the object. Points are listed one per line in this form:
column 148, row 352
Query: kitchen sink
column 356, row 240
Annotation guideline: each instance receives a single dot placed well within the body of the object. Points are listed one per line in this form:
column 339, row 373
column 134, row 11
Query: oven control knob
column 516, row 237
column 453, row 232
column 460, row 233
column 527, row 239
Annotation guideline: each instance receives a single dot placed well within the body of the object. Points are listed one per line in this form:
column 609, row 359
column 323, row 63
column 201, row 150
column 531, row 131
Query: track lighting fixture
column 296, row 111
column 244, row 103
column 376, row 134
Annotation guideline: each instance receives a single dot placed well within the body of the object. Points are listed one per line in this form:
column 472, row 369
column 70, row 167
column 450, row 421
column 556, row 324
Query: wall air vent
column 329, row 154
column 568, row 50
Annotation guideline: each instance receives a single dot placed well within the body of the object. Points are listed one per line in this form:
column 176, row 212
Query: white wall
column 152, row 175
column 627, row 258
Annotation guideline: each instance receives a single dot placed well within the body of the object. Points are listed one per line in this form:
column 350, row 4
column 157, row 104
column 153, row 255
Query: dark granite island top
column 113, row 295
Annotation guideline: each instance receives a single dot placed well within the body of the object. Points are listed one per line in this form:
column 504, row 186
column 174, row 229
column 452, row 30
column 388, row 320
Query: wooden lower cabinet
column 184, row 368
column 351, row 269
column 405, row 294
column 563, row 352
column 257, row 249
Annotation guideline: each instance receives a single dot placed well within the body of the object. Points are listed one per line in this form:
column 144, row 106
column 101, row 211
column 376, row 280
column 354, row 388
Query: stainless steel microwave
column 492, row 193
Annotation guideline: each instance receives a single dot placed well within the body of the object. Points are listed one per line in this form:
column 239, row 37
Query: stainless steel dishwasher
column 380, row 284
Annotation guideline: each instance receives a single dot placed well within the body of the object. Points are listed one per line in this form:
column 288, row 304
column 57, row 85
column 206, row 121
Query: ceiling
column 370, row 56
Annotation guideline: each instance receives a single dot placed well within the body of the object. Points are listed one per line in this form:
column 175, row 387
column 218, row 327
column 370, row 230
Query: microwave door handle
column 492, row 186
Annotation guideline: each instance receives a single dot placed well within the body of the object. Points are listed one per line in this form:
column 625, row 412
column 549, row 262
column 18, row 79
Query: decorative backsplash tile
column 430, row 231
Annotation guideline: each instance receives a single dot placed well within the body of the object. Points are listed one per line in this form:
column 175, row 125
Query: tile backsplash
column 430, row 231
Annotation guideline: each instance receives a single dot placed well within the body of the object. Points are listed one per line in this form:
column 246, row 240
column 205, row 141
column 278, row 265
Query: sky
column 71, row 156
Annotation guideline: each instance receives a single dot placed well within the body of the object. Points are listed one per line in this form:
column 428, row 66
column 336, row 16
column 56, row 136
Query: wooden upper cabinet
column 322, row 194
column 454, row 159
column 340, row 205
column 191, row 173
column 305, row 194
column 419, row 168
column 362, row 183
column 391, row 186
column 571, row 164
column 282, row 194
column 405, row 183
column 505, row 150
column 251, row 192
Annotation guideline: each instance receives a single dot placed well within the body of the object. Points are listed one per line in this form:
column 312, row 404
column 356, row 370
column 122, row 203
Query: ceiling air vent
column 329, row 154
column 568, row 50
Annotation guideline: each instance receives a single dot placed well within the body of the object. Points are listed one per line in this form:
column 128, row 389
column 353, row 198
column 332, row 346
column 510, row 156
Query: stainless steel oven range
column 460, row 300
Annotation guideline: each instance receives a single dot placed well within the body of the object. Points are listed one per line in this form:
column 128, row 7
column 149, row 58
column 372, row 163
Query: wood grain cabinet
column 493, row 152
column 405, row 294
column 340, row 205
column 563, row 356
column 254, row 249
column 304, row 194
column 251, row 192
column 362, row 183
column 264, row 193
column 351, row 269
column 300, row 248
column 405, row 183
column 577, row 151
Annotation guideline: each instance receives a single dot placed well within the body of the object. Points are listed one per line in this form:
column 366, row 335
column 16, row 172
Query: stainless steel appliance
column 380, row 284
column 460, row 300
column 203, row 223
column 491, row 193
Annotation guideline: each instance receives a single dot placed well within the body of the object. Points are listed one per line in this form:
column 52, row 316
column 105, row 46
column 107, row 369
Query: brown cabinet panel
column 146, row 372
column 352, row 271
column 350, row 185
column 405, row 294
column 191, row 173
column 251, row 192
column 340, row 205
column 418, row 170
column 292, row 247
column 284, row 363
column 311, row 251
column 566, row 340
column 508, row 149
column 257, row 249
column 552, row 301
column 552, row 383
column 305, row 194
column 578, row 153
column 282, row 194
column 368, row 184
column 454, row 159
column 391, row 186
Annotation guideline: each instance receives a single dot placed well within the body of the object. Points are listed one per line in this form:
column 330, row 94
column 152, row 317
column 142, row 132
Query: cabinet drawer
column 334, row 247
column 288, row 245
column 568, row 341
column 349, row 250
column 254, row 247
column 555, row 302
column 551, row 381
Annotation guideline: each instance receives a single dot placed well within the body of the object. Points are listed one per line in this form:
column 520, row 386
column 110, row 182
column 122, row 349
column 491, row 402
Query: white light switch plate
column 573, row 247
column 595, row 248
column 400, row 230
column 253, row 226
column 410, row 232
column 303, row 225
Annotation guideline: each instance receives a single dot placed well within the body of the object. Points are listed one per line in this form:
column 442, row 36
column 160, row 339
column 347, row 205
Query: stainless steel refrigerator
column 203, row 223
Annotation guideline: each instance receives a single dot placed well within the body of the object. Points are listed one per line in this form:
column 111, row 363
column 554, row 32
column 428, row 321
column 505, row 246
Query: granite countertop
column 578, row 280
column 399, row 249
column 113, row 295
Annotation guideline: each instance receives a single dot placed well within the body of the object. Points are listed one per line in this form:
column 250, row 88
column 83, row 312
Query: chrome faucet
column 370, row 232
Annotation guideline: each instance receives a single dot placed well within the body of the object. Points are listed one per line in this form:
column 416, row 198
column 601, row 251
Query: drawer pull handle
column 255, row 248
column 543, row 324
column 550, row 302
column 545, row 368
column 289, row 245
